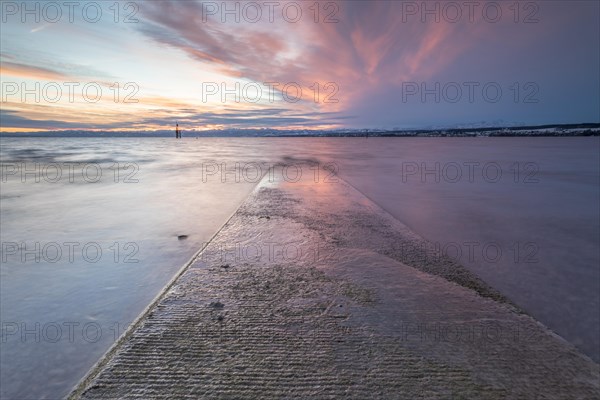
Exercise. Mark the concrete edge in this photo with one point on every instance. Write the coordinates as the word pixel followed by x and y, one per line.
pixel 93 372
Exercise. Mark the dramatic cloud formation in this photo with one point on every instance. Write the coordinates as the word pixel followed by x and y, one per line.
pixel 305 64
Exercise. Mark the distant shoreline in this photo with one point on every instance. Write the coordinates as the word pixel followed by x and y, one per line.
pixel 565 130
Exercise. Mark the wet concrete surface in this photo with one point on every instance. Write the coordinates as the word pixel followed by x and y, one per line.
pixel 311 290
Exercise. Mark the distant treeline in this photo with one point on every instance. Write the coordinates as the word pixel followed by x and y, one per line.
pixel 587 129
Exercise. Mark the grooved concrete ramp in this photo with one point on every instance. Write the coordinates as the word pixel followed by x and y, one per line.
pixel 312 291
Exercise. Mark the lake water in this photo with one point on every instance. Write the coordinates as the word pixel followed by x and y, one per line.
pixel 92 228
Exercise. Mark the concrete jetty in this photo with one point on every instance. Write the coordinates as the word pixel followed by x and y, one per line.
pixel 311 290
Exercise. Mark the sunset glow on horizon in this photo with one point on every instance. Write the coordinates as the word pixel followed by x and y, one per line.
pixel 305 199
pixel 296 65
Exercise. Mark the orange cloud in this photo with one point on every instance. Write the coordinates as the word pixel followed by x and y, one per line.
pixel 30 72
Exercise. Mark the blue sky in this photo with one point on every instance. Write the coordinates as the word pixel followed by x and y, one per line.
pixel 240 64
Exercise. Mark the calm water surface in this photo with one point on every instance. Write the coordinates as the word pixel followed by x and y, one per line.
pixel 522 213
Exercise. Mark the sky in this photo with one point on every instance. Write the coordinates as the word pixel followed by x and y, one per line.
pixel 146 65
